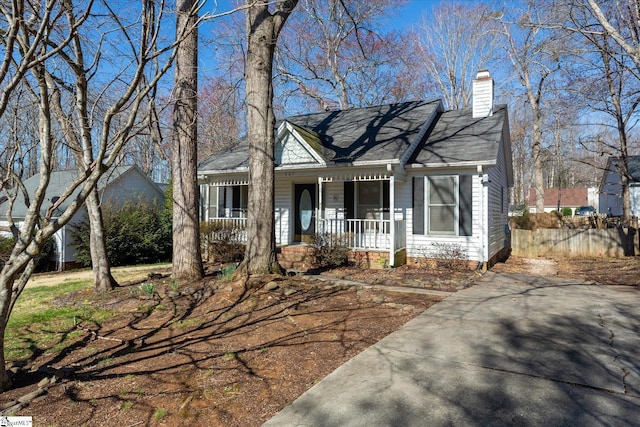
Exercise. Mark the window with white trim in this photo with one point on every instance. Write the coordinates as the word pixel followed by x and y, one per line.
pixel 442 199
pixel 442 205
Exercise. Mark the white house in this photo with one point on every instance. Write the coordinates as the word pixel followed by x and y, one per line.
pixel 402 180
pixel 117 185
pixel 611 187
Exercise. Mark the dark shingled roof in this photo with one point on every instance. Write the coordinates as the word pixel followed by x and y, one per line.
pixel 359 134
pixel 458 137
pixel 385 133
pixel 373 133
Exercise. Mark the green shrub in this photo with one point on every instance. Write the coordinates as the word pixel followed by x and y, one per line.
pixel 567 212
pixel 42 262
pixel 134 234
pixel 6 245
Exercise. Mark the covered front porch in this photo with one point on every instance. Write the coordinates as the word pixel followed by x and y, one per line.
pixel 352 209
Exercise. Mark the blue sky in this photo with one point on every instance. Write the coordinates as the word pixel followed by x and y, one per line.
pixel 409 15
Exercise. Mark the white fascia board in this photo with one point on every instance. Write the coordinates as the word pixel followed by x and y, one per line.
pixel 451 165
pixel 375 162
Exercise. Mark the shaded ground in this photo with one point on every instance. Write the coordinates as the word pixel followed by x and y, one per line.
pixel 603 271
pixel 211 354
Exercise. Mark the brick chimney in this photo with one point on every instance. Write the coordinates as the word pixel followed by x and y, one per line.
pixel 482 95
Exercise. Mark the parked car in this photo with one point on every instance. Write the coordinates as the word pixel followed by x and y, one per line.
pixel 585 211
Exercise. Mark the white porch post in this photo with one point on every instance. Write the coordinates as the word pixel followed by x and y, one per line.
pixel 392 222
pixel 320 206
pixel 206 201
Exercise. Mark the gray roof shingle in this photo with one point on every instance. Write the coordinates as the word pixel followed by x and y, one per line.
pixel 458 137
pixel 384 133
pixel 358 134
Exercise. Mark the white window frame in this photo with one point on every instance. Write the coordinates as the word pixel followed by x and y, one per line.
pixel 456 205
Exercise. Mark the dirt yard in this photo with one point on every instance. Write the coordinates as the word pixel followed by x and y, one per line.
pixel 212 354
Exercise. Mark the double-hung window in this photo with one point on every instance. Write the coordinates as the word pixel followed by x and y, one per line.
pixel 442 205
pixel 367 199
pixel 442 199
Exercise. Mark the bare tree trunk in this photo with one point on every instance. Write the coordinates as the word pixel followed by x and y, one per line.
pixel 103 281
pixel 262 32
pixel 187 258
pixel 536 154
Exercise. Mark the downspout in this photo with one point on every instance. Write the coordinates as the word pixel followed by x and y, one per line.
pixel 482 264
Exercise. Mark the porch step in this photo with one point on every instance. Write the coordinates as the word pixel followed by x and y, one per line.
pixel 296 257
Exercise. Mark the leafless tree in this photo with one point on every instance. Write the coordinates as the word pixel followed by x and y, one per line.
pixel 452 46
pixel 533 50
pixel 264 21
pixel 620 20
pixel 331 54
pixel 54 45
pixel 187 259
pixel 219 115
pixel 611 73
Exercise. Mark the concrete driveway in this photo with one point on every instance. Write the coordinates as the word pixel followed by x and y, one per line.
pixel 512 350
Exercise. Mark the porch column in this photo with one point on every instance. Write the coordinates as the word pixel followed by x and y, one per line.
pixel 207 201
pixel 320 206
pixel 392 218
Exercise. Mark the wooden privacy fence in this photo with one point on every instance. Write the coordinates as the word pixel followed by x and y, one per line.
pixel 611 242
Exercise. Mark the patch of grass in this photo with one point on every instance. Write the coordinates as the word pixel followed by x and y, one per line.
pixel 230 356
pixel 174 285
pixel 250 303
pixel 126 405
pixel 226 274
pixel 106 361
pixel 186 324
pixel 36 325
pixel 147 288
pixel 148 309
pixel 231 389
pixel 160 414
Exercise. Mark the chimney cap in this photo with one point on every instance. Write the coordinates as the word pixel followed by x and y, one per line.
pixel 483 74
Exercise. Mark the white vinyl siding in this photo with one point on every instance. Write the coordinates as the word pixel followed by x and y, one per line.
pixel 419 242
pixel 289 151
pixel 497 215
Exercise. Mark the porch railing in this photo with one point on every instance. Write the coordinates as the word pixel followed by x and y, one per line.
pixel 236 228
pixel 366 234
pixel 358 234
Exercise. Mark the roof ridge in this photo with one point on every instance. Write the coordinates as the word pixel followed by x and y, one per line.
pixel 390 104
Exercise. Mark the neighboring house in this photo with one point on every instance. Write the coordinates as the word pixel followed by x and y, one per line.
pixel 565 198
pixel 400 181
pixel 611 188
pixel 117 185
